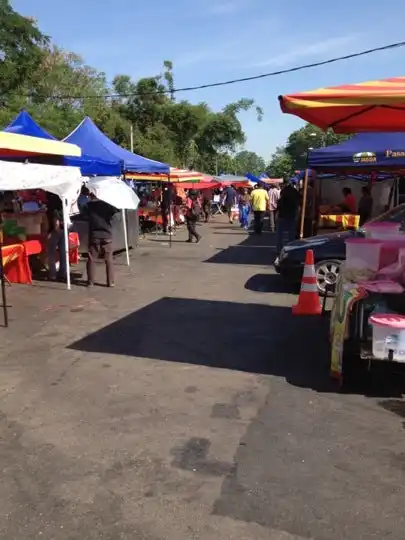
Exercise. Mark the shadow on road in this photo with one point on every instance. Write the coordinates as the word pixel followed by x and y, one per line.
pixel 245 337
pixel 253 338
pixel 270 283
pixel 252 250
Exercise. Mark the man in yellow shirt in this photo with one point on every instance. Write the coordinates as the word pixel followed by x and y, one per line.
pixel 259 200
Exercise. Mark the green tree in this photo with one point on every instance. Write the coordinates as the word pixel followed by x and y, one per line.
pixel 21 45
pixel 59 89
pixel 248 162
pixel 281 165
pixel 301 141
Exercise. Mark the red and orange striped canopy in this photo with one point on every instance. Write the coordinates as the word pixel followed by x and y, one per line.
pixel 176 175
pixel 353 108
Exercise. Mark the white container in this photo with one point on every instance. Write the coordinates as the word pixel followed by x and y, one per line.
pixel 363 254
pixel 388 334
pixel 384 230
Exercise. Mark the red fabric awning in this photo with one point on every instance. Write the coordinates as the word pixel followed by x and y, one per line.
pixel 199 185
pixel 353 108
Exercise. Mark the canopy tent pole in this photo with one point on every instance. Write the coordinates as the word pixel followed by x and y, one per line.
pixel 66 237
pixel 314 213
pixel 2 278
pixel 171 228
pixel 391 195
pixel 124 223
pixel 304 203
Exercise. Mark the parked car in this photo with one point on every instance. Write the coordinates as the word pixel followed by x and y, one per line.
pixel 329 252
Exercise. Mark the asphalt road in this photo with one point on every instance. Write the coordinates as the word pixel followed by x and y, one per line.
pixel 189 403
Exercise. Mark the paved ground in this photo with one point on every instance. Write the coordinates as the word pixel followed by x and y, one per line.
pixel 189 403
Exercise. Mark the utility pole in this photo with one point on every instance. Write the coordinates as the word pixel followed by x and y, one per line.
pixel 132 138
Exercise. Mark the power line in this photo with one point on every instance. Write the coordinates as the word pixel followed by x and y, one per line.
pixel 302 67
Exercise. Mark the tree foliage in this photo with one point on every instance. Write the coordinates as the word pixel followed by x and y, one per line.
pixel 21 45
pixel 293 156
pixel 51 83
pixel 249 162
pixel 59 89
pixel 281 164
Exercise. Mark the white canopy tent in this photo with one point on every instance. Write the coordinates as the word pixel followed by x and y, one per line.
pixel 115 192
pixel 63 181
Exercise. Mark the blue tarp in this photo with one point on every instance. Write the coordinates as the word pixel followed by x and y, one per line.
pixel 370 151
pixel 24 124
pixel 93 142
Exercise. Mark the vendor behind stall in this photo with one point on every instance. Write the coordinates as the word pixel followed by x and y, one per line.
pixel 365 205
pixel 348 205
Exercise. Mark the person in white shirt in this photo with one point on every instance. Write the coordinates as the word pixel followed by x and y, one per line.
pixel 274 196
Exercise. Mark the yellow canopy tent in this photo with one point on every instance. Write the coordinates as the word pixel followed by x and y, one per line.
pixel 14 144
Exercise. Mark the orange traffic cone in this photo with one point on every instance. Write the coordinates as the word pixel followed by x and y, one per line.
pixel 308 300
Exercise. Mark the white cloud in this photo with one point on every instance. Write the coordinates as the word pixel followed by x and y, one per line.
pixel 331 46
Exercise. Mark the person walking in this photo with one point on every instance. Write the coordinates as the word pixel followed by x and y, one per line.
pixel 274 196
pixel 193 212
pixel 244 206
pixel 229 201
pixel 56 238
pixel 259 200
pixel 100 215
pixel 287 212
pixel 207 204
pixel 167 208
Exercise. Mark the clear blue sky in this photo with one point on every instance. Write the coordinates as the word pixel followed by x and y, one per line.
pixel 214 40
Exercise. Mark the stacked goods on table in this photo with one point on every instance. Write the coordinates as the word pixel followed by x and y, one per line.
pixel 388 335
pixel 12 229
pixel 377 261
pixel 377 264
pixel 22 225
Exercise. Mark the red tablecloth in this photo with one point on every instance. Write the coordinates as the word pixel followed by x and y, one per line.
pixel 74 244
pixel 151 214
pixel 16 265
pixel 16 262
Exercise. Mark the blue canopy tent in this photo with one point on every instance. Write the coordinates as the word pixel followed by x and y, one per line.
pixel 365 152
pixel 24 124
pixel 95 143
pixel 364 158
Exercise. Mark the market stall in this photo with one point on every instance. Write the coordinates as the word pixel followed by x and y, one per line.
pixel 95 143
pixel 34 224
pixel 368 318
pixel 116 193
pixel 62 181
pixel 27 230
pixel 367 159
